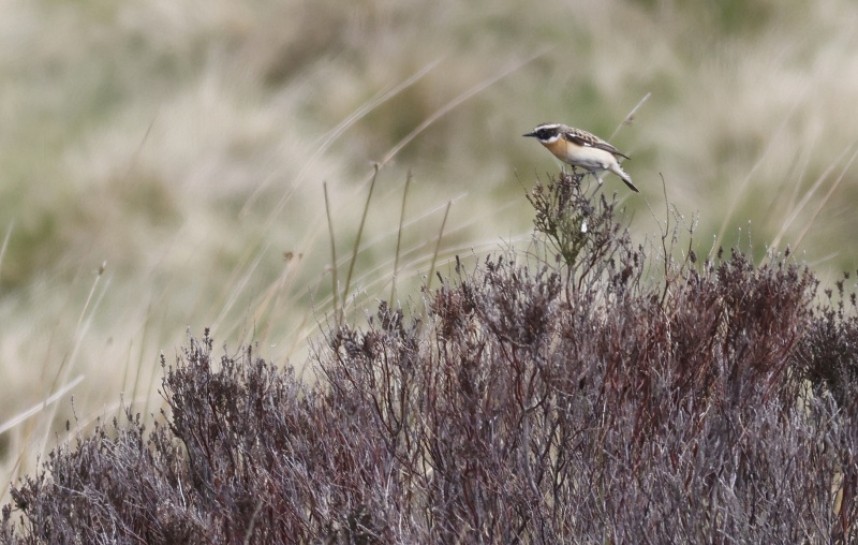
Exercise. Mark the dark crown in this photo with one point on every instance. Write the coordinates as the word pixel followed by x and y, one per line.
pixel 545 131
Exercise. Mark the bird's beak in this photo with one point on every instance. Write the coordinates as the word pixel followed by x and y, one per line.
pixel 530 134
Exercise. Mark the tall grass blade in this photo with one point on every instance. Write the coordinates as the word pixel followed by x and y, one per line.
pixel 396 253
pixel 337 314
pixel 356 245
pixel 438 245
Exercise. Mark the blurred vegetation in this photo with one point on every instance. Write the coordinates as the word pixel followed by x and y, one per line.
pixel 184 144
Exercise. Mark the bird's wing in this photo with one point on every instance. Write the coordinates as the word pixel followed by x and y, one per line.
pixel 584 138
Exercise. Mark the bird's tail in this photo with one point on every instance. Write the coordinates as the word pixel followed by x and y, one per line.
pixel 618 170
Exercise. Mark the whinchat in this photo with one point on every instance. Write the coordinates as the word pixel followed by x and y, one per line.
pixel 582 149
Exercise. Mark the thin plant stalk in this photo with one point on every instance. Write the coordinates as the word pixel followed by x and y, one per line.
pixel 337 313
pixel 631 115
pixel 399 238
pixel 825 199
pixel 356 245
pixel 438 246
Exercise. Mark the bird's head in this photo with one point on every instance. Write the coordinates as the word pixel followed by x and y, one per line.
pixel 546 133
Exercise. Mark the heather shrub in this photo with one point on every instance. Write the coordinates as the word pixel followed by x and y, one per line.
pixel 560 397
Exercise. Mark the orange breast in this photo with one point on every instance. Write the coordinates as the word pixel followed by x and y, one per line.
pixel 558 148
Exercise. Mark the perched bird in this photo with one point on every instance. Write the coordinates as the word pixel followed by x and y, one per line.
pixel 581 149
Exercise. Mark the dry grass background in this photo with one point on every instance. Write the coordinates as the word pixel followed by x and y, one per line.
pixel 182 147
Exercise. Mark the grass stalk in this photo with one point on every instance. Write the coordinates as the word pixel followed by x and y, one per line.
pixel 630 117
pixel 26 414
pixel 5 244
pixel 453 104
pixel 356 245
pixel 396 253
pixel 334 135
pixel 825 199
pixel 809 195
pixel 337 314
pixel 438 245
